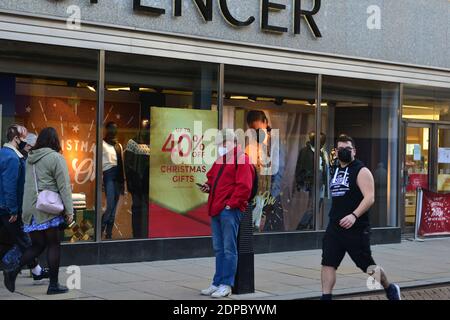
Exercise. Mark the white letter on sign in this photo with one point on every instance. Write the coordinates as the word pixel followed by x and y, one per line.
pixel 374 20
pixel 74 19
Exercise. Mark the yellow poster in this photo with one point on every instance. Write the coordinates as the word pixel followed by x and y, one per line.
pixel 177 157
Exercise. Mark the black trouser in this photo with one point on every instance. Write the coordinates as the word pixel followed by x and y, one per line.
pixel 18 236
pixel 139 217
pixel 50 239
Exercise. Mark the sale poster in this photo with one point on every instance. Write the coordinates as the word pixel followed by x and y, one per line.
pixel 416 180
pixel 177 206
pixel 435 215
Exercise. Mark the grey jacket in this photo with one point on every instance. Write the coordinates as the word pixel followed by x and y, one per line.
pixel 52 174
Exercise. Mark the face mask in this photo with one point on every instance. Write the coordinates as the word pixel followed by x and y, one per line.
pixel 222 151
pixel 261 135
pixel 22 145
pixel 345 155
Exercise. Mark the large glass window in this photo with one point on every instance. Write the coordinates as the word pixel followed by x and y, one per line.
pixel 155 108
pixel 45 86
pixel 282 105
pixel 368 112
pixel 426 103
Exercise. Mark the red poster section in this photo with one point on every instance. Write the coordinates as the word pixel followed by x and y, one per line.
pixel 164 223
pixel 435 215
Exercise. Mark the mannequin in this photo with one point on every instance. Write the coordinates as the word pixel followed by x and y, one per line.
pixel 137 161
pixel 113 177
pixel 304 175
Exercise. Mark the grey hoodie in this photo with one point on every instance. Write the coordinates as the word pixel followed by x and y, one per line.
pixel 52 174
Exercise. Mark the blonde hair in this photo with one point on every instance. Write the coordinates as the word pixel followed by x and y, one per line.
pixel 16 130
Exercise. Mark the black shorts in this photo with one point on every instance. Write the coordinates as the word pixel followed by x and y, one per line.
pixel 337 241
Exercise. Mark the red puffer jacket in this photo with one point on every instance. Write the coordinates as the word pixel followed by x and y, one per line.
pixel 234 186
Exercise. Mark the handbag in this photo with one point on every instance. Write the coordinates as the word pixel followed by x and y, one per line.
pixel 48 201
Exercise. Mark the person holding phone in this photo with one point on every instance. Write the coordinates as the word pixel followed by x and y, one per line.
pixel 229 185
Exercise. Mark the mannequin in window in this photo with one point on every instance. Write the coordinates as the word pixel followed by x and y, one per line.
pixel 304 175
pixel 113 177
pixel 137 161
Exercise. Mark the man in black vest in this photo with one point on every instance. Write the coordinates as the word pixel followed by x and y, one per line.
pixel 353 193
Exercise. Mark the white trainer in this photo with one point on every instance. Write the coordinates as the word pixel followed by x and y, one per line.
pixel 222 292
pixel 209 291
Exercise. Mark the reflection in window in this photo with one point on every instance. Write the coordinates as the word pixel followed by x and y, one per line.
pixel 281 105
pixel 366 111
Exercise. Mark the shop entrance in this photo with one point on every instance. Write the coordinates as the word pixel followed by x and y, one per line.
pixel 425 164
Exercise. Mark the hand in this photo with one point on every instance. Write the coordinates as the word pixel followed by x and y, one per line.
pixel 348 221
pixel 227 207
pixel 204 188
pixel 13 218
pixel 69 218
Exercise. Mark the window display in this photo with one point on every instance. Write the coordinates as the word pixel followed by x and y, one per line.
pixel 173 104
pixel 281 108
pixel 38 93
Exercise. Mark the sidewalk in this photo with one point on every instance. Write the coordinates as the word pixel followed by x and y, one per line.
pixel 289 275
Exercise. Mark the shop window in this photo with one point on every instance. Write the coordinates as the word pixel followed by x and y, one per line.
pixel 426 103
pixel 368 112
pixel 282 104
pixel 151 108
pixel 49 86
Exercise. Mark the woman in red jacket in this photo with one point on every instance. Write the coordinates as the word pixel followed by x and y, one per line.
pixel 229 186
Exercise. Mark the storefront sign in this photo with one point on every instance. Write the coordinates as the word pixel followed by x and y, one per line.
pixel 435 214
pixel 268 8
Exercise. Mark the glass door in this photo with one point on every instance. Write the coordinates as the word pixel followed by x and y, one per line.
pixel 416 168
pixel 443 159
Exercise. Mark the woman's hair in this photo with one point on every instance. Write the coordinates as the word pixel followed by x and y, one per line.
pixel 48 138
pixel 256 115
pixel 16 130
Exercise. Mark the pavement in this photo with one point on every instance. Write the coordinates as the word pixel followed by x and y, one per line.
pixel 278 276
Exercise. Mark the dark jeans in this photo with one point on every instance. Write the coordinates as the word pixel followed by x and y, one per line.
pixel 139 217
pixel 225 230
pixel 16 235
pixel 112 191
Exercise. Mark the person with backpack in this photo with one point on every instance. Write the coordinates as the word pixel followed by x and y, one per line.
pixel 46 174
pixel 230 186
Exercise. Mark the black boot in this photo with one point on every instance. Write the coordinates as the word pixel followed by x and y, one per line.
pixel 9 279
pixel 56 289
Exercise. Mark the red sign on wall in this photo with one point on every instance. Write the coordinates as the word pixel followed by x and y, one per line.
pixel 417 180
pixel 435 214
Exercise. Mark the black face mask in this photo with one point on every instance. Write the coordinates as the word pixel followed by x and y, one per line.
pixel 345 155
pixel 22 145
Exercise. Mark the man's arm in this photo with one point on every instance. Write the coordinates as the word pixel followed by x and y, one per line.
pixel 366 184
pixel 10 179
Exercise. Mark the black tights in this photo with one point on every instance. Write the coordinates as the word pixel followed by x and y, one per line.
pixel 51 240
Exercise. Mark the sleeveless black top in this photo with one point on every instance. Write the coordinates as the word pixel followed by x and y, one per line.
pixel 346 195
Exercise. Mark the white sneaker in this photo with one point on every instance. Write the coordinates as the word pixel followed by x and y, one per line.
pixel 222 292
pixel 209 291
